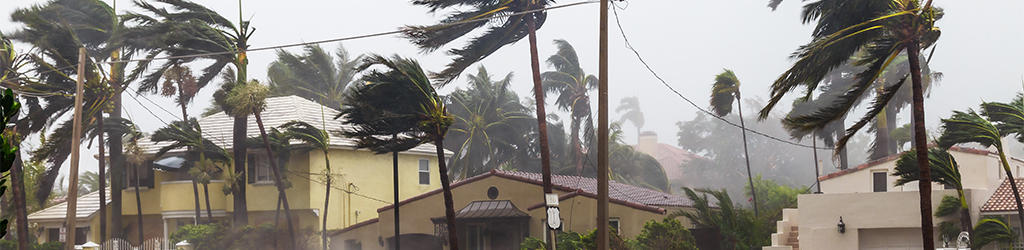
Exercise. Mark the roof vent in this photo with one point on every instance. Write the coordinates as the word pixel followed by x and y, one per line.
pixel 492 193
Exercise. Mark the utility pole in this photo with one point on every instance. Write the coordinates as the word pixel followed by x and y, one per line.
pixel 814 144
pixel 602 132
pixel 76 141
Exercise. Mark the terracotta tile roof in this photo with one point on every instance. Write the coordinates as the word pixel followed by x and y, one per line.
pixel 88 206
pixel 671 158
pixel 1002 199
pixel 488 210
pixel 619 193
pixel 353 227
pixel 893 158
pixel 280 110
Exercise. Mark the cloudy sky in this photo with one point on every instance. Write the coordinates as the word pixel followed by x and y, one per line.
pixel 686 42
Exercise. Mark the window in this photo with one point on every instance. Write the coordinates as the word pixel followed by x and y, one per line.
pixel 424 172
pixel 614 224
pixel 476 237
pixel 258 167
pixel 879 181
pixel 143 175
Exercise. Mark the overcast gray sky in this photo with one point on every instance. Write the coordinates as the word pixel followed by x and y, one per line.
pixel 687 42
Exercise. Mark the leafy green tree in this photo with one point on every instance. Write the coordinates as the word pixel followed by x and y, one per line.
pixel 626 164
pixel 188 29
pixel 724 91
pixel 882 29
pixel 315 139
pixel 631 104
pixel 945 171
pixel 490 126
pixel 970 127
pixel 667 234
pixel 572 85
pixel 740 229
pixel 315 75
pixel 993 229
pixel 11 76
pixel 775 197
pixel 401 104
pixel 251 98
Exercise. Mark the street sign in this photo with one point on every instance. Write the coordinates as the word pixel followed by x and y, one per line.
pixel 63 234
pixel 554 220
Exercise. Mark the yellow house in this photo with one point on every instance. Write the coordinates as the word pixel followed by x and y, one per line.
pixel 498 209
pixel 363 180
pixel 51 219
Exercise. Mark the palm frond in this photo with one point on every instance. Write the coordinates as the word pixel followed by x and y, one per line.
pixel 964 127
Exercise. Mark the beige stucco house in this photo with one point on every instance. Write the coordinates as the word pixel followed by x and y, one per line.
pixel 879 215
pixel 498 209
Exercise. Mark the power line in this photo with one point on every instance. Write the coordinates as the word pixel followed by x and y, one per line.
pixel 337 188
pixel 630 47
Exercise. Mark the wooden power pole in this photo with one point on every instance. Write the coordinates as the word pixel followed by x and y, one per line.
pixel 602 132
pixel 76 141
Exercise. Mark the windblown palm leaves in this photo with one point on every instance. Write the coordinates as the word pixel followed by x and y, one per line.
pixel 968 127
pixel 396 110
pixel 500 32
pixel 1009 117
pixel 993 229
pixel 315 75
pixel 631 104
pixel 572 86
pixel 489 126
pixel 315 139
pixel 199 157
pixel 944 170
pixel 724 91
pixel 738 227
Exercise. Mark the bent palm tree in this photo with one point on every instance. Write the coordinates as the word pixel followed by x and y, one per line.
pixel 571 84
pixel 400 101
pixel 315 139
pixel 945 171
pixel 993 229
pixel 967 127
pixel 200 153
pixel 631 104
pixel 314 75
pixel 883 30
pixel 726 90
pixel 250 98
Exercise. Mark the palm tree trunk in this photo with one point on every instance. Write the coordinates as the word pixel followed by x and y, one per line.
pixel 20 209
pixel 746 154
pixel 924 184
pixel 576 147
pixel 449 205
pixel 241 214
pixel 1013 185
pixel 138 203
pixel 102 175
pixel 206 192
pixel 398 231
pixel 277 211
pixel 277 179
pixel 327 200
pixel 965 214
pixel 882 141
pixel 542 124
pixel 195 196
pixel 116 166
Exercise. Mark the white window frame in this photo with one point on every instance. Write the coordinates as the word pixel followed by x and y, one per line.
pixel 262 168
pixel 618 224
pixel 421 171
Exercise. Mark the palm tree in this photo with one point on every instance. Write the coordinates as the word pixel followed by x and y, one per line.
pixel 489 125
pixel 10 77
pixel 188 135
pixel 993 229
pixel 969 127
pixel 882 30
pixel 726 90
pixel 627 164
pixel 468 17
pixel 571 84
pixel 945 171
pixel 401 101
pixel 631 104
pixel 249 99
pixel 315 139
pixel 191 29
pixel 314 75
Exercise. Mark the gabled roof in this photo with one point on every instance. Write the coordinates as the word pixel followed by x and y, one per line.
pixel 637 197
pixel 1002 199
pixel 893 158
pixel 87 206
pixel 280 110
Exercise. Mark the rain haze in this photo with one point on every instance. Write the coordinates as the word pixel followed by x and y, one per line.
pixel 687 43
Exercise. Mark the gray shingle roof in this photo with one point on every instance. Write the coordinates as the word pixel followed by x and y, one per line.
pixel 280 110
pixel 88 206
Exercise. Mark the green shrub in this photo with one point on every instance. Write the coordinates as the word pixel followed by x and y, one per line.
pixel 222 236
pixel 668 234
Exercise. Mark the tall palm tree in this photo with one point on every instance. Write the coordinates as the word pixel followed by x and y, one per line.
pixel 512 28
pixel 725 90
pixel 11 76
pixel 572 85
pixel 315 75
pixel 189 29
pixel 401 101
pixel 631 104
pixel 970 127
pixel 315 139
pixel 250 98
pixel 490 124
pixel 200 154
pixel 883 29
pixel 945 171
pixel 993 229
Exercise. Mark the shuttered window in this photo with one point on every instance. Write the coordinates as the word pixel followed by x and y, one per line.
pixel 424 172
pixel 879 181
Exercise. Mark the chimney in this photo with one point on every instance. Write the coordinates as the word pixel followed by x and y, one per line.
pixel 648 143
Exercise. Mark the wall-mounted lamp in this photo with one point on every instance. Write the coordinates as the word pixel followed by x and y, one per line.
pixel 842 226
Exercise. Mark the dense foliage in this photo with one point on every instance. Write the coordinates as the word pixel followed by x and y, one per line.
pixel 222 236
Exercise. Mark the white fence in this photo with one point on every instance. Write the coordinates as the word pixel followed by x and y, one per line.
pixel 150 244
